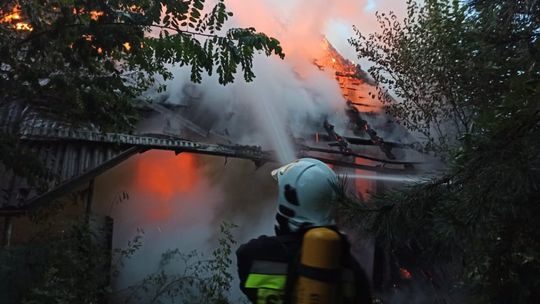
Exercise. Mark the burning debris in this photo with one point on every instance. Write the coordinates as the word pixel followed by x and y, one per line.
pixel 355 84
pixel 361 126
pixel 343 144
pixel 337 140
pixel 15 20
pixel 357 73
pixel 200 118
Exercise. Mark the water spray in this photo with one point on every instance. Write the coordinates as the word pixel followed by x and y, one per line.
pixel 388 178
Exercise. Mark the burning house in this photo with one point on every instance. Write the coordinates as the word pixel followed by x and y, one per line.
pixel 326 110
pixel 353 135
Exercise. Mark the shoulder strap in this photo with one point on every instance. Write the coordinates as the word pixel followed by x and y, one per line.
pixel 292 277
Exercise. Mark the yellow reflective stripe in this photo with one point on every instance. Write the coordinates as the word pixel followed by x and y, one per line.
pixel 269 281
pixel 269 296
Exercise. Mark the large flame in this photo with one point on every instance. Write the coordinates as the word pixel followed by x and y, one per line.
pixel 165 175
pixel 304 44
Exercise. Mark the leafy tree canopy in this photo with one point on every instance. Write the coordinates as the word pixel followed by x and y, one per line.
pixel 85 60
pixel 455 66
pixel 466 75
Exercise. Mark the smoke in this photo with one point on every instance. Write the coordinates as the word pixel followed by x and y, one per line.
pixel 288 97
pixel 299 24
pixel 179 201
pixel 183 207
pixel 279 103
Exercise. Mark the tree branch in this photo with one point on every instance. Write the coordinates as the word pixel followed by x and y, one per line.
pixel 178 31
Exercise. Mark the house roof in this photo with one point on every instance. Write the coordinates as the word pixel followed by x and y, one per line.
pixel 73 156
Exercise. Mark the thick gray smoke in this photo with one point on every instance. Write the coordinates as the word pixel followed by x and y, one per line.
pixel 277 104
pixel 287 98
pixel 189 220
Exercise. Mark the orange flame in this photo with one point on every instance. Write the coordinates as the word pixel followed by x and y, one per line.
pixel 94 15
pixel 126 46
pixel 23 26
pixel 14 17
pixel 353 89
pixel 134 8
pixel 164 175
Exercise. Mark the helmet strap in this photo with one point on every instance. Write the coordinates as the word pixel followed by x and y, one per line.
pixel 281 226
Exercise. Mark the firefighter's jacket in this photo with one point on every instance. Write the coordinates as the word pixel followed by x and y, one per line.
pixel 268 270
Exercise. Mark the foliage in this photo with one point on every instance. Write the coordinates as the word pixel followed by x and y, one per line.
pixel 82 62
pixel 200 281
pixel 72 269
pixel 22 162
pixel 408 57
pixel 481 219
pixel 75 269
pixel 85 60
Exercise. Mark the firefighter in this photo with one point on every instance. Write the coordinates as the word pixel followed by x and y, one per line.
pixel 269 267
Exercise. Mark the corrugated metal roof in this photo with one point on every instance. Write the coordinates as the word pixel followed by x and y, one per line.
pixel 63 160
pixel 73 156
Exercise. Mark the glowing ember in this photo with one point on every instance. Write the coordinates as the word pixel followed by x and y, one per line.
pixel 22 26
pixel 405 274
pixel 78 11
pixel 14 17
pixel 94 15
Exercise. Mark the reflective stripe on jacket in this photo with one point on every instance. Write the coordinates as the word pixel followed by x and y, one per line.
pixel 270 279
pixel 263 268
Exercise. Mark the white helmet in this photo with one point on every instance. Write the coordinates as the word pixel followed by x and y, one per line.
pixel 306 195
